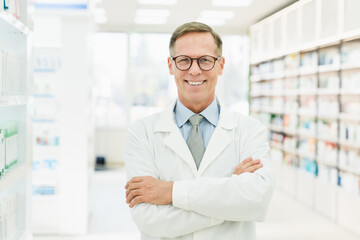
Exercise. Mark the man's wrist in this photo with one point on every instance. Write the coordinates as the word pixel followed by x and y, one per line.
pixel 170 191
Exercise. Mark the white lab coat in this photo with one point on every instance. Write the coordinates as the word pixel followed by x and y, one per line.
pixel 210 203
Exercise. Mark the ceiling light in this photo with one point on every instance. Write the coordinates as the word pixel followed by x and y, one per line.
pixel 157 2
pixel 156 13
pixel 217 14
pixel 150 20
pixel 100 19
pixel 231 3
pixel 99 11
pixel 211 21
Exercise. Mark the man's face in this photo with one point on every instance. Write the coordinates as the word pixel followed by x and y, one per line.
pixel 194 45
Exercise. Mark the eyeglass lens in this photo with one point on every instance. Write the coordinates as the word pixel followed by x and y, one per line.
pixel 205 62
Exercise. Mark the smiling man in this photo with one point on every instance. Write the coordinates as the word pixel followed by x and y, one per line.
pixel 195 170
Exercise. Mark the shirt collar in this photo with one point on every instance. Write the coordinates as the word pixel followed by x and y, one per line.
pixel 182 113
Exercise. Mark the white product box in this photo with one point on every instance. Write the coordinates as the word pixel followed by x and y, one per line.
pixel 2 62
pixel 2 151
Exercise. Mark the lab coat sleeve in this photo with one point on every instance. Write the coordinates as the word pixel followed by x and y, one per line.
pixel 157 220
pixel 243 197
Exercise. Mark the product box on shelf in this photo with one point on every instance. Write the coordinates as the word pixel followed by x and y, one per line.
pixel 5 4
pixel 12 7
pixel 2 152
pixel 8 219
pixel 2 77
pixel 10 131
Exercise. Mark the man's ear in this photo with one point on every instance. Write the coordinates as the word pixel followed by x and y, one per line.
pixel 222 63
pixel 170 65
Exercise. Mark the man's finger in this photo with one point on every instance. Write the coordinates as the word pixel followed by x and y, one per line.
pixel 131 187
pixel 132 194
pixel 255 167
pixel 136 200
pixel 134 180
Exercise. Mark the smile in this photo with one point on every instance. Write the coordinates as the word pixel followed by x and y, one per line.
pixel 195 83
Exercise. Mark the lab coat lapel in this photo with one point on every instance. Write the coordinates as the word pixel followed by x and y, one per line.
pixel 220 139
pixel 174 140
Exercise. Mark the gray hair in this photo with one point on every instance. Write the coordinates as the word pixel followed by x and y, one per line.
pixel 194 27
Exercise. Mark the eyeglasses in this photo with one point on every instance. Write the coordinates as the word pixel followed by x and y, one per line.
pixel 205 63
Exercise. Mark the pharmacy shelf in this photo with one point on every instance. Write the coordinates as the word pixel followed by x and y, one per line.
pixel 15 107
pixel 349 117
pixel 13 100
pixel 324 91
pixel 9 24
pixel 350 66
pixel 308 71
pixel 349 145
pixel 325 162
pixel 354 91
pixel 12 176
pixel 320 80
pixel 329 68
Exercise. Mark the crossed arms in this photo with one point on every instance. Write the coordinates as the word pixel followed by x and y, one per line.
pixel 147 189
pixel 158 206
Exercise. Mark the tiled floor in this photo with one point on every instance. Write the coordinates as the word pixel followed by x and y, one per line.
pixel 287 219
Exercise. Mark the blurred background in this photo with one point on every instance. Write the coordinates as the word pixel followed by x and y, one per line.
pixel 74 74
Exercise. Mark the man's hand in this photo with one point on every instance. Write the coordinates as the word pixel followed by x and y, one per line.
pixel 248 165
pixel 148 190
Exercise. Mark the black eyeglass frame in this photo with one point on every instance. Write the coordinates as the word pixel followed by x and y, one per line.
pixel 197 60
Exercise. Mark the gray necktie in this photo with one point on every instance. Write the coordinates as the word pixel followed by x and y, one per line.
pixel 195 141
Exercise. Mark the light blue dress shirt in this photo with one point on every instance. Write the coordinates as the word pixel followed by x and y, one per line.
pixel 207 125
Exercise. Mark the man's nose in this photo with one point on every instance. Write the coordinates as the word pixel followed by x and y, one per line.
pixel 195 68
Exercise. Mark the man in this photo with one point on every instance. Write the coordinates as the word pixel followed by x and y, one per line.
pixel 205 179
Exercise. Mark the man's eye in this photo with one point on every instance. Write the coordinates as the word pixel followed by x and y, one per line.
pixel 184 60
pixel 206 60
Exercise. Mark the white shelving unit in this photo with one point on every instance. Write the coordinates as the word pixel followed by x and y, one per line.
pixel 305 87
pixel 15 124
pixel 63 128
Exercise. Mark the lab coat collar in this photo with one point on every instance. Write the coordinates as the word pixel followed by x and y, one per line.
pixel 220 139
pixel 167 122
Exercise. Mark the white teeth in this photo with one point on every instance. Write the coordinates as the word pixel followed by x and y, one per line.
pixel 195 83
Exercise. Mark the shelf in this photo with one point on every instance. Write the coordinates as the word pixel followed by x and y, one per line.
pixel 349 145
pixel 324 162
pixel 43 120
pixel 329 68
pixel 324 91
pixel 349 170
pixel 307 92
pixel 328 116
pixel 291 92
pixel 327 139
pixel 307 113
pixel 350 91
pixel 44 96
pixel 276 145
pixel 350 66
pixel 291 151
pixel 276 93
pixel 306 134
pixel 13 100
pixel 290 112
pixel 306 155
pixel 288 131
pixel 272 110
pixel 349 117
pixel 9 24
pixel 307 71
pixel 275 128
pixel 255 78
pixel 293 73
pixel 12 176
pixel 273 76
